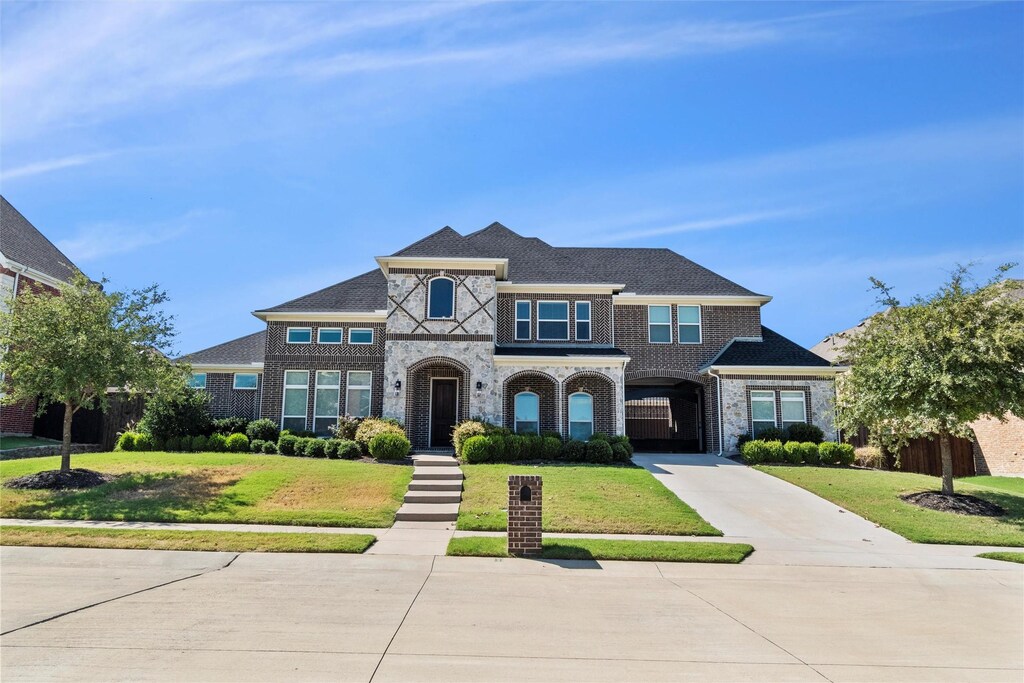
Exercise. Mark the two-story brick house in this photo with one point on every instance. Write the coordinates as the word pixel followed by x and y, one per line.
pixel 538 338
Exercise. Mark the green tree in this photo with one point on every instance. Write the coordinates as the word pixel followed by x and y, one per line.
pixel 71 348
pixel 936 365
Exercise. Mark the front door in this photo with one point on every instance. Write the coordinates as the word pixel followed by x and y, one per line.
pixel 443 411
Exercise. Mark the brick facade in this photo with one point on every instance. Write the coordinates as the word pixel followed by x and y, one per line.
pixel 226 401
pixel 719 326
pixel 999 446
pixel 600 318
pixel 418 395
pixel 603 391
pixel 525 513
pixel 18 419
pixel 546 388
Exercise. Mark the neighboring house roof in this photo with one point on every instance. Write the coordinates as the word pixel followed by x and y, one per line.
pixel 242 351
pixel 21 242
pixel 367 292
pixel 558 351
pixel 773 350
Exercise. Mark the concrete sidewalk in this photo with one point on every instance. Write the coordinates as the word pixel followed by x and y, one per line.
pixel 80 614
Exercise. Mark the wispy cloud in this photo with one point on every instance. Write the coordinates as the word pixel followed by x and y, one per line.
pixel 716 223
pixel 97 241
pixel 51 165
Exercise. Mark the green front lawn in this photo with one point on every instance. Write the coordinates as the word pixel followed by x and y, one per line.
pixel 216 487
pixel 581 499
pixel 603 549
pixel 1011 484
pixel 874 495
pixel 9 443
pixel 223 541
pixel 1005 557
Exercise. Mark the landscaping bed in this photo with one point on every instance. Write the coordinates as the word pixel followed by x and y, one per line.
pixel 1004 557
pixel 603 549
pixel 581 499
pixel 215 487
pixel 878 496
pixel 151 539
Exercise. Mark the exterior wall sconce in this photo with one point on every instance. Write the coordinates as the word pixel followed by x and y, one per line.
pixel 479 387
pixel 398 386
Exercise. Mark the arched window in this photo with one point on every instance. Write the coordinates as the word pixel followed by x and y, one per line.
pixel 527 410
pixel 581 416
pixel 441 298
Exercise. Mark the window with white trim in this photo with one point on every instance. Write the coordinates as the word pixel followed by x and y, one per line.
pixel 527 413
pixel 689 324
pixel 441 298
pixel 296 395
pixel 659 324
pixel 326 401
pixel 245 380
pixel 300 335
pixel 360 335
pixel 582 321
pixel 357 394
pixel 794 408
pixel 197 380
pixel 762 411
pixel 522 320
pixel 330 335
pixel 581 416
pixel 553 320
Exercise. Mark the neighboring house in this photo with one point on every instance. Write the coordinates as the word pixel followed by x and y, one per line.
pixel 998 446
pixel 27 260
pixel 535 337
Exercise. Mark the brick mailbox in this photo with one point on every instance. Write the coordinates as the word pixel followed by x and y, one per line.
pixel 524 512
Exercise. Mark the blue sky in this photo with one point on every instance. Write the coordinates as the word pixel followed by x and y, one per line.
pixel 244 154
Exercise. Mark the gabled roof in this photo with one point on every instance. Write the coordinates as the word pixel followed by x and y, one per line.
pixel 773 350
pixel 364 293
pixel 242 351
pixel 22 243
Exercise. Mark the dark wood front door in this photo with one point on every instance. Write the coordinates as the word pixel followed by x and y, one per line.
pixel 443 411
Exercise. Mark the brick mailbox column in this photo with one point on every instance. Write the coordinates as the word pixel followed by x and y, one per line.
pixel 524 513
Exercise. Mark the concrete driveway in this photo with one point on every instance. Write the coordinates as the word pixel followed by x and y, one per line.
pixel 74 614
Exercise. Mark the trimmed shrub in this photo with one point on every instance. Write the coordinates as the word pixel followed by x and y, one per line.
pixel 620 453
pixel 173 444
pixel 771 434
pixel 349 450
pixel 869 456
pixel 846 454
pixel 793 453
pixel 805 432
pixel 217 442
pixel 144 442
pixel 270 448
pixel 551 447
pixel 314 448
pixel 237 443
pixel 624 441
pixel 262 430
pixel 256 445
pixel 809 452
pixel 599 450
pixel 742 439
pixel 754 452
pixel 574 450
pixel 286 444
pixel 465 430
pixel 389 446
pixel 331 448
pixel 230 425
pixel 598 436
pixel 199 443
pixel 346 427
pixel 828 453
pixel 183 414
pixel 476 449
pixel 126 442
pixel 372 426
pixel 774 452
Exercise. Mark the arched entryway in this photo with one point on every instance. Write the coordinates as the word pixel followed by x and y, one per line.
pixel 543 410
pixel 437 399
pixel 666 413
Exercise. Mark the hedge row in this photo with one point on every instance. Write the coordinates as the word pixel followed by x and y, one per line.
pixel 217 443
pixel 500 447
pixel 795 453
pixel 799 432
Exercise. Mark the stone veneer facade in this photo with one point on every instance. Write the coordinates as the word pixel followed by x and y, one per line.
pixel 736 419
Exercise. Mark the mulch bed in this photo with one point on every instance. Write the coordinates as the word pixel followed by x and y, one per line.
pixel 58 480
pixel 957 502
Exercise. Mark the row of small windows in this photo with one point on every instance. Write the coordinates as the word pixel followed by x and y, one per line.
pixel 552 321
pixel 242 380
pixel 581 414
pixel 330 335
pixel 326 398
pixel 659 324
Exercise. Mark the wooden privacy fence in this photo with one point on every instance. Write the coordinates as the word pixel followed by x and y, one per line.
pixel 923 456
pixel 92 426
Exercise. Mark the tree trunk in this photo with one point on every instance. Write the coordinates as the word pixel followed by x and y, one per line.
pixel 946 449
pixel 65 447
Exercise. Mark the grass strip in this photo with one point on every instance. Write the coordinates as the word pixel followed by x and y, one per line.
pixel 153 539
pixel 1004 556
pixel 604 549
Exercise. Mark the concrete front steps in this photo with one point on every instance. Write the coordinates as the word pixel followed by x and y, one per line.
pixel 435 491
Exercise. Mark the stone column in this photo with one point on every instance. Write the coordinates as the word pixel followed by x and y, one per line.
pixel 524 514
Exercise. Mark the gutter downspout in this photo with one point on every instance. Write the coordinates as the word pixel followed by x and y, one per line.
pixel 721 441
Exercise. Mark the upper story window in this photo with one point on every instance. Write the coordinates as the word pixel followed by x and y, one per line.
pixel 659 324
pixel 581 416
pixel 762 411
pixel 689 324
pixel 794 408
pixel 198 380
pixel 330 335
pixel 553 320
pixel 360 335
pixel 300 335
pixel 245 380
pixel 441 298
pixel 522 320
pixel 582 321
pixel 527 412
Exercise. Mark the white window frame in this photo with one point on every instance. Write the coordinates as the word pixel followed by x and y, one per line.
pixel 553 320
pixel 650 324
pixel 288 335
pixel 576 313
pixel 234 381
pixel 284 399
pixel 782 404
pixel 192 381
pixel 515 414
pixel 349 387
pixel 360 329
pixel 775 422
pixel 699 324
pixel 320 331
pixel 528 320
pixel 317 388
pixel 568 410
pixel 430 289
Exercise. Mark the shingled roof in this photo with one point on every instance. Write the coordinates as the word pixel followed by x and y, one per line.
pixel 20 241
pixel 363 293
pixel 774 350
pixel 242 351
